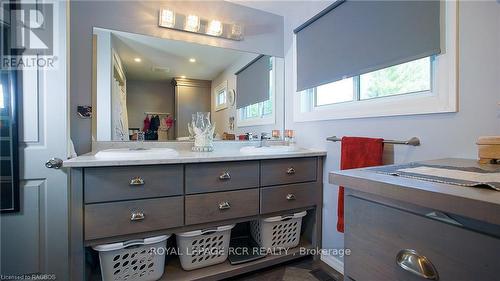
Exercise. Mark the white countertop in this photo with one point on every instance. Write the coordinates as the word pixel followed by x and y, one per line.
pixel 187 156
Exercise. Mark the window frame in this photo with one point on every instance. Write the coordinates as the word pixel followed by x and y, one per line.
pixel 262 119
pixel 442 98
pixel 217 90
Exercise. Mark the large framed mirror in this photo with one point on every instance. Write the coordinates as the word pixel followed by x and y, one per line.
pixel 148 87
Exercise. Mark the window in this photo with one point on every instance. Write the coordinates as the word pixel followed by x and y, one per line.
pixel 220 96
pixel 263 112
pixel 406 78
pixel 423 86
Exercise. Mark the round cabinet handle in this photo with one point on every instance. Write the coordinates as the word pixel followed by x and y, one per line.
pixel 137 216
pixel 224 205
pixel 290 171
pixel 411 261
pixel 225 176
pixel 290 196
pixel 136 181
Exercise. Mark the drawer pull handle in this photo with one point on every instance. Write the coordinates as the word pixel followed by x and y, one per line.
pixel 224 206
pixel 290 171
pixel 411 261
pixel 290 196
pixel 225 176
pixel 137 216
pixel 136 181
pixel 442 217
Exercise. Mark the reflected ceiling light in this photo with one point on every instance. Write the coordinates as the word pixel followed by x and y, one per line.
pixel 192 23
pixel 192 60
pixel 137 59
pixel 167 18
pixel 214 28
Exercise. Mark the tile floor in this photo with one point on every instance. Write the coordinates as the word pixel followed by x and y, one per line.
pixel 300 270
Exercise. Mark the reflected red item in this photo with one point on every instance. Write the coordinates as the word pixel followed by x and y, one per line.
pixel 147 124
pixel 169 121
pixel 357 152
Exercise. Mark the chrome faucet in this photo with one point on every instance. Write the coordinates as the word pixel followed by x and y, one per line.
pixel 264 137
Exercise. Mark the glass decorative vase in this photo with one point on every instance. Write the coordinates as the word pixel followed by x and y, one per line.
pixel 202 131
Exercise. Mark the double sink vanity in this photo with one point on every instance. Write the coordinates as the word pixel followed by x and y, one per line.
pixel 116 199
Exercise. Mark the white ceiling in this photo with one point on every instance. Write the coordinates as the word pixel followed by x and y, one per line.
pixel 172 55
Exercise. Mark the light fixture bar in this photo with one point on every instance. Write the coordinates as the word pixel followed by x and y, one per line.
pixel 194 24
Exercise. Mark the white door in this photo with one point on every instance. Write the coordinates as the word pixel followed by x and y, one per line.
pixel 35 240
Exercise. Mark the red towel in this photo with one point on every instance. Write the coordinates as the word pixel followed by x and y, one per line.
pixel 357 153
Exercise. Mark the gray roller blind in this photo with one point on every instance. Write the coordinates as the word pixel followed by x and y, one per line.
pixel 252 82
pixel 354 37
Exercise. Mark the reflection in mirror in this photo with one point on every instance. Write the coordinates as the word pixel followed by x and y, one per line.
pixel 149 88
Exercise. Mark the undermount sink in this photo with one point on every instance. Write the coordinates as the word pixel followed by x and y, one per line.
pixel 130 153
pixel 267 149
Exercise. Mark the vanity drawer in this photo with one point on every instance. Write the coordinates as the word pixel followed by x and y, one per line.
pixel 280 198
pixel 210 177
pixel 132 182
pixel 375 234
pixel 219 206
pixel 285 171
pixel 117 218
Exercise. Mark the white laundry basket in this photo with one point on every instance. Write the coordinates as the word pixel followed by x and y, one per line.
pixel 278 232
pixel 205 247
pixel 133 260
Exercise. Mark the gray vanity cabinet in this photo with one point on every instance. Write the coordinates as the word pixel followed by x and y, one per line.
pixel 129 202
pixel 378 233
pixel 406 229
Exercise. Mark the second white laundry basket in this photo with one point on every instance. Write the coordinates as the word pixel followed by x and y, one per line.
pixel 204 247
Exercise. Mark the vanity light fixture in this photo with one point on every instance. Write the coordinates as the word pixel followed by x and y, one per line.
pixel 214 28
pixel 192 60
pixel 167 18
pixel 137 59
pixel 192 23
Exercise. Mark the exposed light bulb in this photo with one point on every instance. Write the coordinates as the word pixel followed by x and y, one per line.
pixel 192 23
pixel 192 60
pixel 236 31
pixel 167 18
pixel 137 59
pixel 214 28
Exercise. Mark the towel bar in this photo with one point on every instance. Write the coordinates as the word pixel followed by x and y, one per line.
pixel 414 141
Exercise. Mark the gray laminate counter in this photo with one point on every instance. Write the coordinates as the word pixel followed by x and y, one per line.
pixel 478 203
pixel 187 156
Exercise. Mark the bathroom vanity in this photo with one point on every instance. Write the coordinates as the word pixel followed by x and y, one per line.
pixel 407 229
pixel 118 200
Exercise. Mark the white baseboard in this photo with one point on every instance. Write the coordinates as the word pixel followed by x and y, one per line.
pixel 333 263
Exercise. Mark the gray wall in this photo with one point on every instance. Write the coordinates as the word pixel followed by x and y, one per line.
pixel 442 135
pixel 263 34
pixel 156 96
